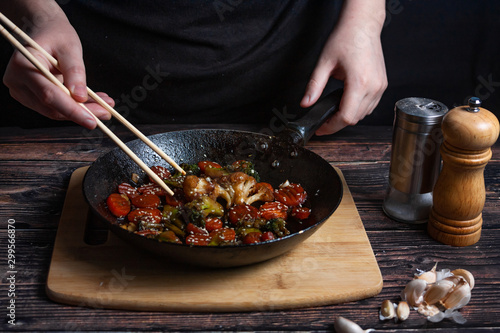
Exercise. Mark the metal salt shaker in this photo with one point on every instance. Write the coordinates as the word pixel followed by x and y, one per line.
pixel 415 159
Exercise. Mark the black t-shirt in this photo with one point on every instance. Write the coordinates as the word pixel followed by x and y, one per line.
pixel 220 61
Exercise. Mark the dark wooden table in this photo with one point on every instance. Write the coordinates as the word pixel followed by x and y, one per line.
pixel 35 167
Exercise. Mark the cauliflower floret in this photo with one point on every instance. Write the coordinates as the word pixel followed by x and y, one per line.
pixel 225 192
pixel 195 187
pixel 242 185
pixel 261 192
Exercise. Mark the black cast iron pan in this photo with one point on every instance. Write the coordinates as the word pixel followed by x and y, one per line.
pixel 277 158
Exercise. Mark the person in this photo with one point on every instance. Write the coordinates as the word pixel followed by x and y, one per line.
pixel 203 62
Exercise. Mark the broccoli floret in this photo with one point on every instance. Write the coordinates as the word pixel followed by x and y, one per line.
pixel 245 167
pixel 277 226
pixel 172 220
pixel 199 209
pixel 191 169
pixel 176 180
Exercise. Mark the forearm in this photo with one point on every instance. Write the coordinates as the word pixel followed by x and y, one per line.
pixel 368 15
pixel 30 14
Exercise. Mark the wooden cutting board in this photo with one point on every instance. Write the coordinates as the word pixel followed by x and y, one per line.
pixel 334 265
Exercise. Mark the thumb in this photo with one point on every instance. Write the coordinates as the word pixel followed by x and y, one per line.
pixel 73 70
pixel 317 83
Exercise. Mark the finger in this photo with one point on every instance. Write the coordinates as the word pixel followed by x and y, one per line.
pixel 317 83
pixel 350 109
pixel 98 109
pixel 49 96
pixel 72 68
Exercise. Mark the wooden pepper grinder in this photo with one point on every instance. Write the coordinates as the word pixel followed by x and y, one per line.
pixel 459 193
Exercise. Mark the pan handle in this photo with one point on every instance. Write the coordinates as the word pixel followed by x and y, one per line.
pixel 303 129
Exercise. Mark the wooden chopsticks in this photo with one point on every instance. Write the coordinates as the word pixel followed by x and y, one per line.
pixel 93 95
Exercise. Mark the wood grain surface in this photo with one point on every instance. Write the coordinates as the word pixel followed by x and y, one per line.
pixel 35 168
pixel 335 265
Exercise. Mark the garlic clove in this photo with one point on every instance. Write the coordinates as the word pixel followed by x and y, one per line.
pixel 403 311
pixel 343 325
pixel 428 310
pixel 429 276
pixel 387 310
pixel 458 297
pixel 466 275
pixel 438 291
pixel 413 292
pixel 442 274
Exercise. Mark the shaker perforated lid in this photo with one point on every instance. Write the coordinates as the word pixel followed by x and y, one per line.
pixel 421 110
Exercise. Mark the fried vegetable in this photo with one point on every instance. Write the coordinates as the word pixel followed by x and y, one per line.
pixel 150 215
pixel 242 185
pixel 118 204
pixel 195 215
pixel 198 239
pixel 196 187
pixel 245 167
pixel 261 192
pixel 213 223
pixel 175 181
pixel 172 220
pixel 300 213
pixel 146 201
pixel 242 213
pixel 278 227
pixel 274 209
pixel 160 171
pixel 128 190
pixel 199 209
pixel 168 237
pixel 191 169
pixel 291 195
pixel 222 236
pixel 252 237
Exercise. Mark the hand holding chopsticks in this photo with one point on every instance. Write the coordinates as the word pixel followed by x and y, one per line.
pixel 99 100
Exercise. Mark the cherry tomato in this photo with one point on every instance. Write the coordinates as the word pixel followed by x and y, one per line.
pixel 204 164
pixel 146 201
pixel 198 239
pixel 266 236
pixel 118 204
pixel 242 213
pixel 160 171
pixel 252 238
pixel 291 195
pixel 213 223
pixel 272 210
pixel 151 215
pixel 128 190
pixel 193 229
pixel 301 213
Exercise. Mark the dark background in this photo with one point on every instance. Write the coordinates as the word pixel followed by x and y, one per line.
pixel 443 50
